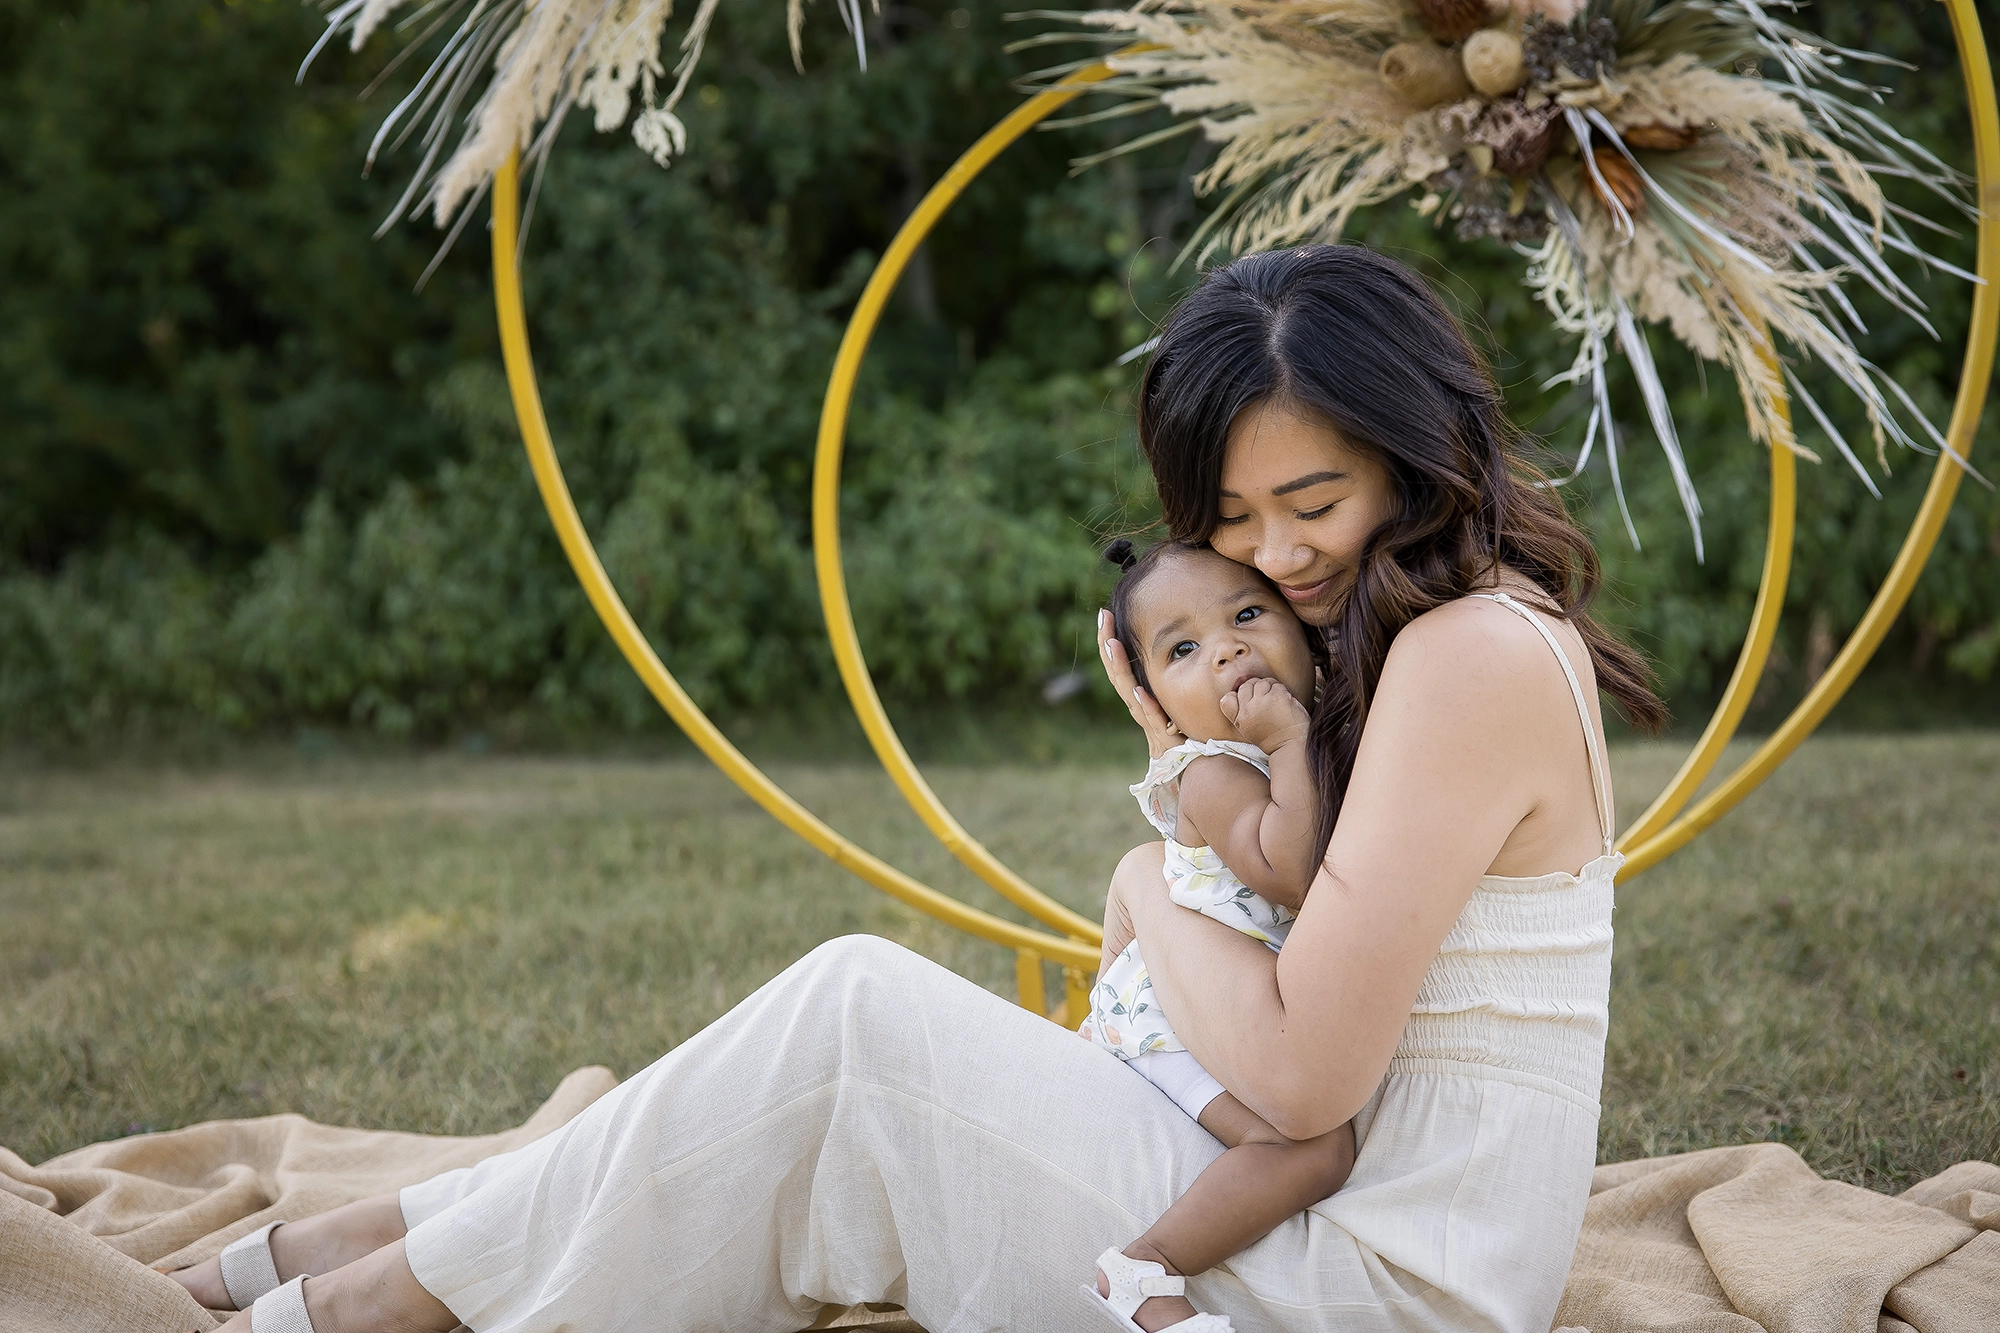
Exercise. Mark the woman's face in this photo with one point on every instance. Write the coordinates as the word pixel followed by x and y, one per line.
pixel 1299 505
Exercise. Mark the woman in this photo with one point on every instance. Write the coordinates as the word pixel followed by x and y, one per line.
pixel 871 1127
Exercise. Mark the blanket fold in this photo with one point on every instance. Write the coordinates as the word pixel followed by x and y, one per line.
pixel 1745 1239
pixel 1736 1240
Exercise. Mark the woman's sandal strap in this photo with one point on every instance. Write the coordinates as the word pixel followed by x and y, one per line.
pixel 282 1310
pixel 248 1270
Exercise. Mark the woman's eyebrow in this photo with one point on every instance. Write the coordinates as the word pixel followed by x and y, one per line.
pixel 1310 479
pixel 1298 484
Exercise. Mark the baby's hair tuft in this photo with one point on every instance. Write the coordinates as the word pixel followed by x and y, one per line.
pixel 1134 565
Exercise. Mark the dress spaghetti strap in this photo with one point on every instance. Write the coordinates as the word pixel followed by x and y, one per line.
pixel 1600 781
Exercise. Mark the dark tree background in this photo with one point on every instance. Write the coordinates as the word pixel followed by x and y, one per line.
pixel 250 478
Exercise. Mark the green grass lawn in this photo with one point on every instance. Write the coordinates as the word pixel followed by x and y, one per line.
pixel 430 943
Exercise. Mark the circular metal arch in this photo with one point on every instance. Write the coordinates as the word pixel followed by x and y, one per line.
pixel 1658 832
pixel 658 680
pixel 1665 827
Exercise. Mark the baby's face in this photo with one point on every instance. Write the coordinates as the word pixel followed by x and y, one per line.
pixel 1205 625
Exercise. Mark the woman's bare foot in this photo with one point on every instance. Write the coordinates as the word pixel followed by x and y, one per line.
pixel 312 1246
pixel 1155 1312
pixel 377 1293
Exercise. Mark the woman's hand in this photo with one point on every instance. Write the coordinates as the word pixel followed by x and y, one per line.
pixel 1161 734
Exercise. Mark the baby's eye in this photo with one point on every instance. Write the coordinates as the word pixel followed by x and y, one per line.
pixel 1181 649
pixel 1248 614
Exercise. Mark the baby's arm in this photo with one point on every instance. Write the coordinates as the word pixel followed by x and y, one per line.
pixel 1262 829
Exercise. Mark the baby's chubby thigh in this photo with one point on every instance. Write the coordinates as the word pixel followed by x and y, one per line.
pixel 1140 871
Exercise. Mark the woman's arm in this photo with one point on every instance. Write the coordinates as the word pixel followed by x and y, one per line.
pixel 1470 720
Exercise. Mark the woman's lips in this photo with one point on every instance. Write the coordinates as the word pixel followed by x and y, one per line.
pixel 1311 592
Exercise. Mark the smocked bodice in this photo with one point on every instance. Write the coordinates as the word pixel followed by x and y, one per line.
pixel 1521 986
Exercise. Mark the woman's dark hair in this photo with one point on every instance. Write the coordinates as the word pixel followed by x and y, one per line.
pixel 1360 341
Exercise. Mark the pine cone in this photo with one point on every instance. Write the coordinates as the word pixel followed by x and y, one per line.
pixel 1621 176
pixel 1551 50
pixel 1453 20
pixel 1663 138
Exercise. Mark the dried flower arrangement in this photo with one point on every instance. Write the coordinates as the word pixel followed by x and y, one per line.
pixel 530 62
pixel 1696 164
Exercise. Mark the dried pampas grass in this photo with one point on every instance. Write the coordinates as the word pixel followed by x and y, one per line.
pixel 513 70
pixel 1647 171
pixel 1692 165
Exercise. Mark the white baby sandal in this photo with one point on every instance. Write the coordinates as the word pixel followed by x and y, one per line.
pixel 1133 1282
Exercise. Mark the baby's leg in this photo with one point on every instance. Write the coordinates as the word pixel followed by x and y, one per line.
pixel 1241 1196
pixel 1117 917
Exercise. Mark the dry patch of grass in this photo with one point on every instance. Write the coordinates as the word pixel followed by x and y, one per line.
pixel 431 943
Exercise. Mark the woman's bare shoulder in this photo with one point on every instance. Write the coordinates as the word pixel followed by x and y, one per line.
pixel 1470 650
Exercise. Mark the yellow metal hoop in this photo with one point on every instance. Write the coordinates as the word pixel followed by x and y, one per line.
pixel 1643 846
pixel 1657 833
pixel 632 643
pixel 826 506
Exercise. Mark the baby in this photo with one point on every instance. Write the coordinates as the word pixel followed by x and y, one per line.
pixel 1228 662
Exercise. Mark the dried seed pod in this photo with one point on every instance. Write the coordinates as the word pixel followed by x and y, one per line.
pixel 1424 73
pixel 1663 138
pixel 1521 138
pixel 1493 64
pixel 1453 20
pixel 1622 178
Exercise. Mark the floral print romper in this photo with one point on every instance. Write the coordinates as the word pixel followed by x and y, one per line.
pixel 1125 1018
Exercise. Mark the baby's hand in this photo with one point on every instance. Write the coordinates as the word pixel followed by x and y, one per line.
pixel 1266 714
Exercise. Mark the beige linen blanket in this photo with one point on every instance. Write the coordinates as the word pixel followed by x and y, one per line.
pixel 1731 1240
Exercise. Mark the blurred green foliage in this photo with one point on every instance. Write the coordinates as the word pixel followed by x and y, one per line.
pixel 252 478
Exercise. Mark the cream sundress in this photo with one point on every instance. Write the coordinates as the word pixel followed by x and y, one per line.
pixel 834 1138
pixel 1125 1018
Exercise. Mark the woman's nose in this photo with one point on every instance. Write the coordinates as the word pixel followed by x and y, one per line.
pixel 1278 560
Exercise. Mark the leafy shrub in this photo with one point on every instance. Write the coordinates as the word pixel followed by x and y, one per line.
pixel 252 479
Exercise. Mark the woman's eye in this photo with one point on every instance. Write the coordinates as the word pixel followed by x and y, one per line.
pixel 1320 512
pixel 1248 614
pixel 1181 649
pixel 1231 520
